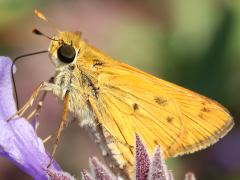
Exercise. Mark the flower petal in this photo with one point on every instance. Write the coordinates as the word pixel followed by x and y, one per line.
pixel 58 175
pixel 100 171
pixel 86 175
pixel 7 103
pixel 158 169
pixel 18 140
pixel 142 160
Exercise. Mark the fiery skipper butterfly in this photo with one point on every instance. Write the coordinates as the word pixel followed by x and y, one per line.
pixel 116 101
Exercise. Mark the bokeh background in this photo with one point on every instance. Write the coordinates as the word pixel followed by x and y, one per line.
pixel 192 43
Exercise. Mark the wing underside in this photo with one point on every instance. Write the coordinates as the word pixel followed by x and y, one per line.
pixel 161 113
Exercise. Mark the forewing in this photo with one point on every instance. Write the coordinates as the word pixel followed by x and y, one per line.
pixel 179 120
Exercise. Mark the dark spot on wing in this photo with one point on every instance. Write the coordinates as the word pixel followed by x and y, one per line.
pixel 135 106
pixel 97 62
pixel 155 142
pixel 169 119
pixel 160 101
pixel 205 109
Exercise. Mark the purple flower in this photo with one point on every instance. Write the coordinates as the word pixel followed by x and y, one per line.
pixel 99 171
pixel 142 160
pixel 155 169
pixel 18 140
pixel 58 175
pixel 145 169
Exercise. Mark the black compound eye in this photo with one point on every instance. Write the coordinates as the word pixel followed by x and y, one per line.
pixel 66 53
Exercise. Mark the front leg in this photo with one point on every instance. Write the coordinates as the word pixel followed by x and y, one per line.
pixel 44 86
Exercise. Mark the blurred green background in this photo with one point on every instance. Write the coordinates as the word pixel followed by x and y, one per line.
pixel 194 44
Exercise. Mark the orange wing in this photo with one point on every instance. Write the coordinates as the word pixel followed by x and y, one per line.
pixel 179 120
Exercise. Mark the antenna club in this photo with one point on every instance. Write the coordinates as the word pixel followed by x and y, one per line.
pixel 37 32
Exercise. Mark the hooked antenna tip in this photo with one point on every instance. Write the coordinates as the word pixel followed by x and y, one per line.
pixel 40 15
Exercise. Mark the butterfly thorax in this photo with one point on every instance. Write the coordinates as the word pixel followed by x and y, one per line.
pixel 69 76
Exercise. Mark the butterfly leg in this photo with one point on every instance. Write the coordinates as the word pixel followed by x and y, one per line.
pixel 54 133
pixel 43 86
pixel 48 138
pixel 28 104
pixel 36 111
pixel 62 125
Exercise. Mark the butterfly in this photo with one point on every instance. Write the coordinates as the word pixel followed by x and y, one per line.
pixel 116 101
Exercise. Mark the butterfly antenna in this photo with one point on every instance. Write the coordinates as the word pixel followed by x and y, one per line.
pixel 37 32
pixel 40 15
pixel 12 71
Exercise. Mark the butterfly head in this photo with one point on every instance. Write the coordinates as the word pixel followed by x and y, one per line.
pixel 65 48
